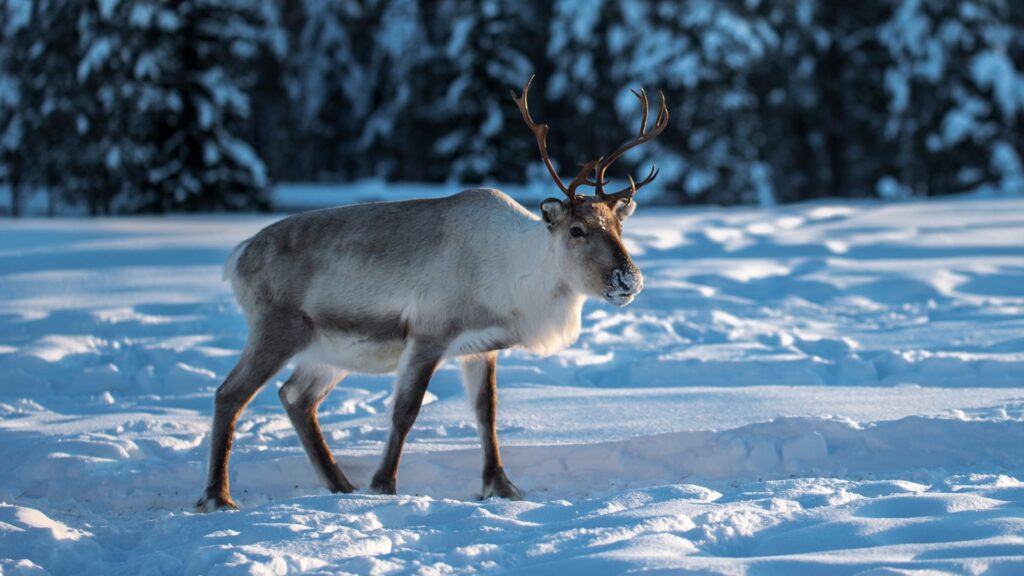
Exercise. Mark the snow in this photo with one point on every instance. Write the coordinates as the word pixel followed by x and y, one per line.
pixel 831 387
pixel 995 70
pixel 95 57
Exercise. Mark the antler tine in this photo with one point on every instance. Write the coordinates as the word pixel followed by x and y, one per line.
pixel 592 183
pixel 626 193
pixel 540 132
pixel 581 178
pixel 662 120
pixel 629 191
pixel 650 176
pixel 660 123
pixel 642 95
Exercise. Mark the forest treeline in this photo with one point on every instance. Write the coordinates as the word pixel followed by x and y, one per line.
pixel 162 105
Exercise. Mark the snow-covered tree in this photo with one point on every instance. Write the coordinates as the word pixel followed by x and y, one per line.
pixel 156 105
pixel 37 105
pixel 956 97
pixel 820 93
pixel 582 90
pixel 351 89
pixel 399 133
pixel 16 112
pixel 328 78
pixel 479 55
pixel 107 166
pixel 132 105
pixel 195 58
pixel 702 54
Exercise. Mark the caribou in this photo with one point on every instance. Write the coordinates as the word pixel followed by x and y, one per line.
pixel 402 286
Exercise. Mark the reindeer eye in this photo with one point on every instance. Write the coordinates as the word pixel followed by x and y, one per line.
pixel 577 232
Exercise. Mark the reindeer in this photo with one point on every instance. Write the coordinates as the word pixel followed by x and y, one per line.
pixel 401 286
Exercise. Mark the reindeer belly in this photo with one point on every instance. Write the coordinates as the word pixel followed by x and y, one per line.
pixel 353 352
pixel 478 341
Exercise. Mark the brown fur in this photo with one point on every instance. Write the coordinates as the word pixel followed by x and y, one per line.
pixel 481 375
pixel 379 329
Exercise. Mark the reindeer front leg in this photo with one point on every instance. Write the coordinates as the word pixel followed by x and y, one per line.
pixel 479 373
pixel 419 360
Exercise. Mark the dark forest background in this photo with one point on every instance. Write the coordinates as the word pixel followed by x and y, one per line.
pixel 164 105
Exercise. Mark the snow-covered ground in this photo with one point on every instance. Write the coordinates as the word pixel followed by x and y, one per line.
pixel 827 388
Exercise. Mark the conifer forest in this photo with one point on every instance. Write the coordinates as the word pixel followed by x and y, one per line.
pixel 132 106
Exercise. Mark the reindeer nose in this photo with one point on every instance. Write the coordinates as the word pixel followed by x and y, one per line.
pixel 628 279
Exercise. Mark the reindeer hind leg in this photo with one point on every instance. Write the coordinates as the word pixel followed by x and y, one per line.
pixel 273 340
pixel 301 396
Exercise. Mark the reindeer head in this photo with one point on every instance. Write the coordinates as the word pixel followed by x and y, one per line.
pixel 588 229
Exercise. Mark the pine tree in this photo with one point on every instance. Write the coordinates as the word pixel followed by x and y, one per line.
pixel 271 128
pixel 583 85
pixel 395 139
pixel 703 55
pixel 327 79
pixel 154 105
pixel 196 60
pixel 790 101
pixel 956 98
pixel 352 89
pixel 16 113
pixel 820 91
pixel 481 53
pixel 104 170
pixel 37 105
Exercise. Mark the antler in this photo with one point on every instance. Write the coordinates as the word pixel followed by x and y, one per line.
pixel 598 166
pixel 540 131
pixel 660 123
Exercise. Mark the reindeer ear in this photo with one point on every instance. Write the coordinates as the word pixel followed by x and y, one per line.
pixel 624 208
pixel 554 211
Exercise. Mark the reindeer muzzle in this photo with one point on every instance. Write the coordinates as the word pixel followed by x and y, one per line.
pixel 623 284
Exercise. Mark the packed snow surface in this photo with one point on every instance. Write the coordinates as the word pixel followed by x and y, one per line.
pixel 825 388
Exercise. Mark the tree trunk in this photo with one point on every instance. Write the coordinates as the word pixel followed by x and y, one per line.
pixel 16 199
pixel 835 120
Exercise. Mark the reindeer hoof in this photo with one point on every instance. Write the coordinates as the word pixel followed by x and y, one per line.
pixel 209 503
pixel 338 484
pixel 383 486
pixel 345 488
pixel 498 485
